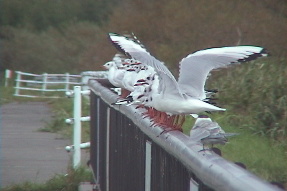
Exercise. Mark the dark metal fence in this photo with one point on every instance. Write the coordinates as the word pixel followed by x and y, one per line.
pixel 129 154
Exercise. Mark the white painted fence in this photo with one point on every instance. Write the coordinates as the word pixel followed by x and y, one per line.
pixel 76 121
pixel 27 83
pixel 44 83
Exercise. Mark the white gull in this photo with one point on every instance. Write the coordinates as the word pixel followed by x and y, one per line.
pixel 185 95
pixel 206 131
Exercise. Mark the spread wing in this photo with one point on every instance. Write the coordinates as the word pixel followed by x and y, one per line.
pixel 137 51
pixel 194 68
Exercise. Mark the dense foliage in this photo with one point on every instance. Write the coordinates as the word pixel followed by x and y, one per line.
pixel 70 35
pixel 39 15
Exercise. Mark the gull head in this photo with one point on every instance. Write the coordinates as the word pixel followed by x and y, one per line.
pixel 109 65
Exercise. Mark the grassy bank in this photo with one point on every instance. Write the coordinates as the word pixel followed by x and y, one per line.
pixel 69 182
pixel 263 156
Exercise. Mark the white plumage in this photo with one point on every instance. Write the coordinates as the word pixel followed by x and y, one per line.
pixel 208 132
pixel 186 95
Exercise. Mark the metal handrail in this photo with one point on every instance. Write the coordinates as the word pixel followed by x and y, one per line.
pixel 213 170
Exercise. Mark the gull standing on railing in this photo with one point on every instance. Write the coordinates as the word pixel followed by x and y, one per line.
pixel 208 132
pixel 187 95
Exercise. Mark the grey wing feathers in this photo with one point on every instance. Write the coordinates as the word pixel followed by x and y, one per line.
pixel 196 134
pixel 195 68
pixel 139 53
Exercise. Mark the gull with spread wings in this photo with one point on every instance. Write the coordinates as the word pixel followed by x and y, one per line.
pixel 185 95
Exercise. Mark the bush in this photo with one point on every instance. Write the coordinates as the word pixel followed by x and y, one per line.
pixel 262 99
pixel 51 51
pixel 40 15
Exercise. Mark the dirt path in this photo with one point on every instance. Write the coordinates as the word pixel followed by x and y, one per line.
pixel 27 154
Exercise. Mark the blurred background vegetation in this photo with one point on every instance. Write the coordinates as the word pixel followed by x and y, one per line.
pixel 71 36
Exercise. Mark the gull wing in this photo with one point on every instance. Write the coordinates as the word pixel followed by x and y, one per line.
pixel 138 52
pixel 168 86
pixel 197 133
pixel 204 128
pixel 194 68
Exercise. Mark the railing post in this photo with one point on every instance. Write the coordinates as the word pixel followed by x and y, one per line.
pixel 67 82
pixel 148 166
pixel 77 126
pixel 8 75
pixel 18 83
pixel 44 85
pixel 108 151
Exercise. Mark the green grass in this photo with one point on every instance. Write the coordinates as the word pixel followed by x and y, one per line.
pixel 263 156
pixel 62 109
pixel 68 182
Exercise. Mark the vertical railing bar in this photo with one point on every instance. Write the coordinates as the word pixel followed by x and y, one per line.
pixel 18 83
pixel 193 185
pixel 98 141
pixel 148 165
pixel 44 85
pixel 77 126
pixel 8 74
pixel 67 82
pixel 108 150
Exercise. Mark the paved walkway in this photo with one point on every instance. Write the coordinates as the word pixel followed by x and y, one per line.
pixel 26 153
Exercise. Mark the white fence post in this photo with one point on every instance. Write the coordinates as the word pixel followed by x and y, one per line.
pixel 148 166
pixel 18 83
pixel 76 121
pixel 67 82
pixel 77 126
pixel 8 75
pixel 44 85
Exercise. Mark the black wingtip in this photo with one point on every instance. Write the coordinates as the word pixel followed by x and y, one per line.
pixel 255 55
pixel 117 46
pixel 265 52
